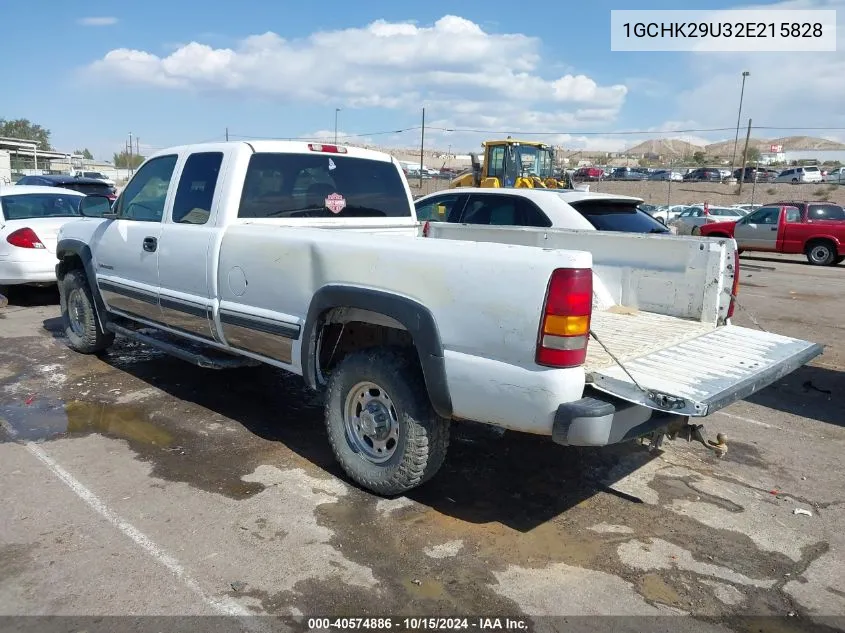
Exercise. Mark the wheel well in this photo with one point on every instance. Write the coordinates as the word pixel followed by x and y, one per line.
pixel 68 263
pixel 345 330
pixel 821 240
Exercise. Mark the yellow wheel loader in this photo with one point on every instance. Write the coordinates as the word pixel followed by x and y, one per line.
pixel 511 163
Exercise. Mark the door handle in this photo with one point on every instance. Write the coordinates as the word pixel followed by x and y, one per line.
pixel 150 244
pixel 774 228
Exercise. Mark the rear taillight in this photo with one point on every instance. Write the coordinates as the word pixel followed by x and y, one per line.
pixel 565 325
pixel 331 149
pixel 426 228
pixel 735 287
pixel 24 238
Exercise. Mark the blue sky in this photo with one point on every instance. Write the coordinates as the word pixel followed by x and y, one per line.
pixel 177 72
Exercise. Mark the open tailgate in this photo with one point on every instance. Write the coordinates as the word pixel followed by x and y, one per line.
pixel 685 367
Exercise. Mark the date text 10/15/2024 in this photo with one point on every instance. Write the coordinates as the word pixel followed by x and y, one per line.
pixel 419 624
pixel 735 30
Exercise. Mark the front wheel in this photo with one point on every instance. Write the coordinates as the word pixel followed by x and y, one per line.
pixel 79 315
pixel 821 254
pixel 381 425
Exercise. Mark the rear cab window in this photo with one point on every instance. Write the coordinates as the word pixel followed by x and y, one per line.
pixel 617 215
pixel 320 185
pixel 826 212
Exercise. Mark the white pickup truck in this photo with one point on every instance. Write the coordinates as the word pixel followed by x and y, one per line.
pixel 310 258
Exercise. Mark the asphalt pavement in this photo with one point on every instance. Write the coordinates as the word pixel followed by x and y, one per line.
pixel 134 484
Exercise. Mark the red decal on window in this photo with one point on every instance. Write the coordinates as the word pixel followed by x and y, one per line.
pixel 335 202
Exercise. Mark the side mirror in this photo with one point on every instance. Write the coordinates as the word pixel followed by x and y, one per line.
pixel 96 206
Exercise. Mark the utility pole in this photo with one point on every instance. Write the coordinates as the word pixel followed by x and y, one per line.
pixel 227 134
pixel 138 145
pixel 336 110
pixel 745 74
pixel 744 159
pixel 422 146
pixel 669 192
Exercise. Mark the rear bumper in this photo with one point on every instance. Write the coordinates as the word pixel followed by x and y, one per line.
pixel 603 420
pixel 27 272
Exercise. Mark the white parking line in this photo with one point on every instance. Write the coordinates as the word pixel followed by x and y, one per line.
pixel 749 420
pixel 223 607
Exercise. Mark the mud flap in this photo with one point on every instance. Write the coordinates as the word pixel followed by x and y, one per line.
pixel 704 374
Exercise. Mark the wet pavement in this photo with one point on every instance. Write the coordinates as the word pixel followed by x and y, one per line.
pixel 137 484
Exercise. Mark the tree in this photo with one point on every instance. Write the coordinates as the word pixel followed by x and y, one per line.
pixel 753 154
pixel 24 129
pixel 125 160
pixel 86 153
pixel 699 158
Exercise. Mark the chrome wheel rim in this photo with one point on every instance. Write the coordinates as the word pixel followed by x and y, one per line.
pixel 372 425
pixel 819 253
pixel 76 312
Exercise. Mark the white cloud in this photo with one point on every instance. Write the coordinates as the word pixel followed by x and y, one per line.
pixel 97 21
pixel 463 75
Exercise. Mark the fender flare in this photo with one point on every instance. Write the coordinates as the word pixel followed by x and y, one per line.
pixel 415 317
pixel 70 246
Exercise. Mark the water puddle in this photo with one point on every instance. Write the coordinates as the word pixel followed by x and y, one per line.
pixel 48 418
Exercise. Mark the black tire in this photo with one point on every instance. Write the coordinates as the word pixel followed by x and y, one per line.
pixel 81 326
pixel 821 253
pixel 422 436
pixel 695 231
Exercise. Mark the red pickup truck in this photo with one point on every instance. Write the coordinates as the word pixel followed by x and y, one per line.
pixel 815 229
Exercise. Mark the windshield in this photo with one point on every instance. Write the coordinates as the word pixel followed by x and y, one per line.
pixel 321 185
pixel 612 215
pixel 534 160
pixel 39 205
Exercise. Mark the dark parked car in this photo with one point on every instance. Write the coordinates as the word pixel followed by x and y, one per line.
pixel 704 174
pixel 82 185
pixel 755 174
pixel 628 173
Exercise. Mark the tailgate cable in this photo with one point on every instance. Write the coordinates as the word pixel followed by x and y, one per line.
pixel 748 312
pixel 618 362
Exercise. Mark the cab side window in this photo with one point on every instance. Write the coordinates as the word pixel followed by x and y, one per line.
pixel 144 197
pixel 765 215
pixel 196 188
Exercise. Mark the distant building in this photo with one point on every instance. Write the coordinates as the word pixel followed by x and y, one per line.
pixel 820 155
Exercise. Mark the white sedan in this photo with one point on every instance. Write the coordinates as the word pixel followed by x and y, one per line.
pixel 30 218
pixel 688 221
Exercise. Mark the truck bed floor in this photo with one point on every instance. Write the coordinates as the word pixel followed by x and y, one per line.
pixel 630 334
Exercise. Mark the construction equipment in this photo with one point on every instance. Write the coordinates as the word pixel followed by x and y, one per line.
pixel 511 163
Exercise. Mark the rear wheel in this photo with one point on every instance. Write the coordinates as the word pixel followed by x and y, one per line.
pixel 79 315
pixel 381 425
pixel 821 253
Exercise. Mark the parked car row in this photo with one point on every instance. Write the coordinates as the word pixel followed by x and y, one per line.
pixel 793 175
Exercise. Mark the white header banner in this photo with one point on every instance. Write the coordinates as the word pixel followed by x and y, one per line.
pixel 739 30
